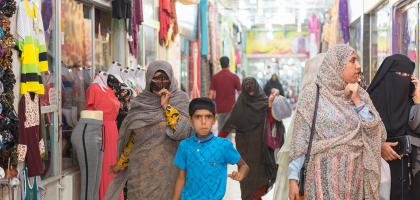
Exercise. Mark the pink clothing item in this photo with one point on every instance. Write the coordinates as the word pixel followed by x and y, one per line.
pixel 107 102
pixel 314 26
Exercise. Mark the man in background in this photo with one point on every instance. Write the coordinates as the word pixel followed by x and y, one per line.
pixel 223 89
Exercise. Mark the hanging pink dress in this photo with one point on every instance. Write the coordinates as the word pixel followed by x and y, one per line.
pixel 107 102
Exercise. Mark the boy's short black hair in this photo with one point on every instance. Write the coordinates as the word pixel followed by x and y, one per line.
pixel 202 103
pixel 224 62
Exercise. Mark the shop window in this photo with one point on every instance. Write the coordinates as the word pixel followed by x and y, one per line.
pixel 409 36
pixel 103 56
pixel 380 37
pixel 149 10
pixel 48 101
pixel 75 70
pixel 148 51
pixel 184 64
pixel 355 36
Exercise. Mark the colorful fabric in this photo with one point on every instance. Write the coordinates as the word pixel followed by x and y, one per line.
pixel 107 102
pixel 204 27
pixel 205 162
pixel 31 41
pixel 123 160
pixel 172 116
pixel 30 134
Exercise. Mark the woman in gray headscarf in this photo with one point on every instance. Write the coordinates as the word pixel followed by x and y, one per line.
pixel 148 137
pixel 281 190
pixel 345 157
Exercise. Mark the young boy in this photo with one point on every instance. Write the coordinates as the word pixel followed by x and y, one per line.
pixel 203 158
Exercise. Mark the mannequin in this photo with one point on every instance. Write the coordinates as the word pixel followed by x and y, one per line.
pixel 95 137
pixel 87 141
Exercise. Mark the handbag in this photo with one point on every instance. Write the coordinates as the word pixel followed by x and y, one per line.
pixel 308 152
pixel 281 108
pixel 275 135
pixel 404 144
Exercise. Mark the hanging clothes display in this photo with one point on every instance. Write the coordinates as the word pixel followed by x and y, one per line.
pixel 204 31
pixel 101 97
pixel 137 20
pixel 29 188
pixel 8 117
pixel 314 26
pixel 344 20
pixel 168 23
pixel 30 142
pixel 31 42
pixel 76 49
pixel 332 31
pixel 214 34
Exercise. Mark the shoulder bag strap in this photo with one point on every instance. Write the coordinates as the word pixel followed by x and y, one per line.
pixel 308 152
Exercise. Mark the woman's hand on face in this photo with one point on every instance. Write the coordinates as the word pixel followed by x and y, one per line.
pixel 352 91
pixel 388 153
pixel 293 190
pixel 416 83
pixel 164 98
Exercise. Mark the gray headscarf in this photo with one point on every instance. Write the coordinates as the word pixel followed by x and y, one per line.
pixel 145 111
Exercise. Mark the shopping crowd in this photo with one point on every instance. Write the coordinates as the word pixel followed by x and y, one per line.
pixel 345 141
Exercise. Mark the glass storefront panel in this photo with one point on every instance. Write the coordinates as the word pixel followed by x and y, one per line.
pixel 103 56
pixel 149 9
pixel 380 37
pixel 355 36
pixel 76 69
pixel 148 51
pixel 409 36
pixel 48 101
pixel 184 64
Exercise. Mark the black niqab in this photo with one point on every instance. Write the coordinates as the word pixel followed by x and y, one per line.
pixel 273 84
pixel 391 93
pixel 249 111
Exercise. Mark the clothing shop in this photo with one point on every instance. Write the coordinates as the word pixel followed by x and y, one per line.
pixel 84 42
pixel 382 28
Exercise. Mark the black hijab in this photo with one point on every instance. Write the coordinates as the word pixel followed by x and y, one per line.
pixel 249 111
pixel 391 93
pixel 273 83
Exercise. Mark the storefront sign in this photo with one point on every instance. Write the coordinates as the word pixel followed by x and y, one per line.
pixel 276 43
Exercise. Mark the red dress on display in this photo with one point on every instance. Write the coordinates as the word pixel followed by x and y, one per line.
pixel 107 102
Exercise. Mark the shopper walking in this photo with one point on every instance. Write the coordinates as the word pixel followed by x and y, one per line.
pixel 344 161
pixel 393 90
pixel 248 118
pixel 274 82
pixel 148 137
pixel 223 88
pixel 281 190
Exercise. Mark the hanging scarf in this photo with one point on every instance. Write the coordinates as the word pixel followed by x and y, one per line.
pixel 391 93
pixel 340 134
